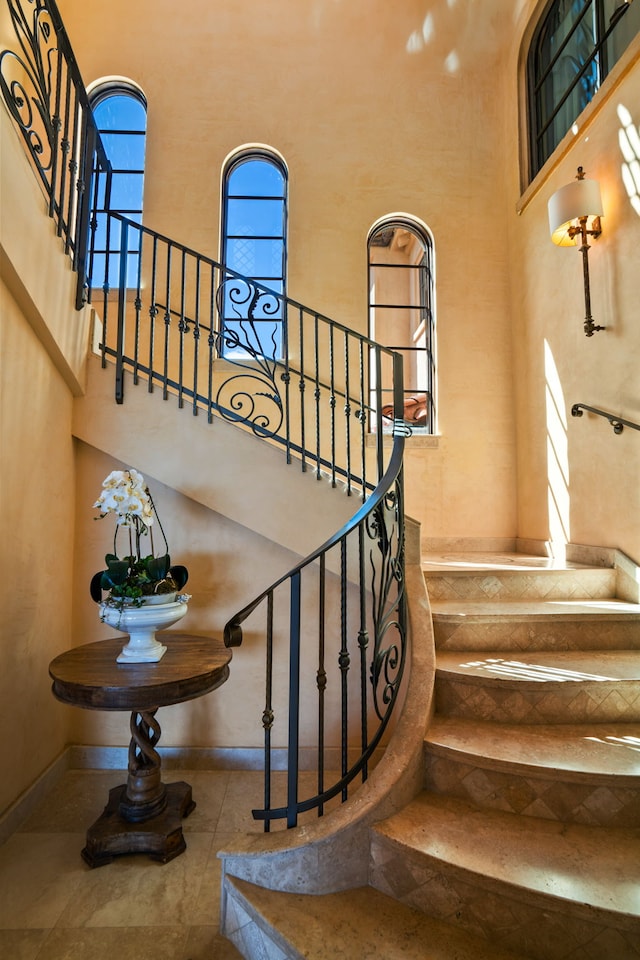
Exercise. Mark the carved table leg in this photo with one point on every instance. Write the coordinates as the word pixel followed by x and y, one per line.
pixel 144 815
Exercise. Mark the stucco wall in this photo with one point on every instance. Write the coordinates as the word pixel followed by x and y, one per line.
pixel 37 509
pixel 42 354
pixel 376 108
pixel 577 480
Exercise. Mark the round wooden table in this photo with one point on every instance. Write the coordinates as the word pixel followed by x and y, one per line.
pixel 144 815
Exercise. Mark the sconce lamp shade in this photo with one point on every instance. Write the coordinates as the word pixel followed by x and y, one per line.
pixel 580 198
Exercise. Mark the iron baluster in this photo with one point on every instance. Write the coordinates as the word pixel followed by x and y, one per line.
pixel 362 417
pixel 153 306
pixel 196 340
pixel 344 662
pixel 138 305
pixel 211 343
pixel 268 715
pixel 293 757
pixel 347 412
pixel 182 328
pixel 167 325
pixel 363 643
pixel 321 678
pixel 122 302
pixel 317 395
pixel 332 404
pixel 301 387
pixel 65 150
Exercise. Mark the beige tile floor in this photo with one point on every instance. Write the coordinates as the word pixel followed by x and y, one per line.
pixel 53 907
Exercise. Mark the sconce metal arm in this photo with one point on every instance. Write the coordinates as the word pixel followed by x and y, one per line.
pixel 589 326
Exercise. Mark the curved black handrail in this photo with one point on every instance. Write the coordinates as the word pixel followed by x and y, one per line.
pixel 618 423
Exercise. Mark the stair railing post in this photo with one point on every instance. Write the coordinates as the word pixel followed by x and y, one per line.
pixel 294 702
pixel 122 304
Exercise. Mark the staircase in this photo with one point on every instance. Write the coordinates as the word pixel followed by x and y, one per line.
pixel 524 842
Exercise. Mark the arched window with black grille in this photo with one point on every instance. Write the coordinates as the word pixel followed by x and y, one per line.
pixel 120 111
pixel 574 46
pixel 402 315
pixel 254 245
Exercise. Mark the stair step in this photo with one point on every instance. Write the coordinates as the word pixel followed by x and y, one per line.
pixel 467 577
pixel 586 774
pixel 536 625
pixel 540 687
pixel 543 887
pixel 361 923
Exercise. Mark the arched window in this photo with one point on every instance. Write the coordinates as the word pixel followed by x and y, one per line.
pixel 254 244
pixel 120 112
pixel 574 46
pixel 401 313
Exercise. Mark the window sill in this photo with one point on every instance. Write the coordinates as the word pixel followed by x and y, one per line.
pixel 417 440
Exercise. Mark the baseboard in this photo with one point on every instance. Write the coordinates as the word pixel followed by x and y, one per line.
pixel 19 811
pixel 209 758
pixel 78 757
pixel 440 545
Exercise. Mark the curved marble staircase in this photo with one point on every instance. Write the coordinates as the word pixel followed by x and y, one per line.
pixel 524 842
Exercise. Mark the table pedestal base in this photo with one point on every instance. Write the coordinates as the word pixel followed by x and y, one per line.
pixel 160 837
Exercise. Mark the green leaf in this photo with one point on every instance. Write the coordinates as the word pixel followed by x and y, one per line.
pixel 158 567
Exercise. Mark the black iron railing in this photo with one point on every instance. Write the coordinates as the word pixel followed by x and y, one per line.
pixel 353 640
pixel 41 85
pixel 228 346
pixel 618 423
pixel 231 347
pixel 336 623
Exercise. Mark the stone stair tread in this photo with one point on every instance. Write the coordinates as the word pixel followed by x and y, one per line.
pixel 606 751
pixel 362 923
pixel 485 610
pixel 542 666
pixel 464 563
pixel 591 869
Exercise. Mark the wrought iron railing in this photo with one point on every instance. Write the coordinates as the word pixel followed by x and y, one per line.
pixel 229 346
pixel 618 423
pixel 353 639
pixel 336 623
pixel 41 85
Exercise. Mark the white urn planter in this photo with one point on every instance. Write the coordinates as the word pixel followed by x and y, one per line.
pixel 141 623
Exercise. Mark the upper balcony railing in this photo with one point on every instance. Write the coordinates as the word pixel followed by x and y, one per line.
pixel 41 85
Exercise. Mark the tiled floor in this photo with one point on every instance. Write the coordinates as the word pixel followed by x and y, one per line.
pixel 53 907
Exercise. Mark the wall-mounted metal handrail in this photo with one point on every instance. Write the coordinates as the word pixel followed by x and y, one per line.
pixel 618 423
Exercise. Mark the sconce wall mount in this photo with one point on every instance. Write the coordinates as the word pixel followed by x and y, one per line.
pixel 574 212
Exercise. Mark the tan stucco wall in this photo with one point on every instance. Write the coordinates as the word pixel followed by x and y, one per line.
pixel 42 354
pixel 37 507
pixel 376 108
pixel 577 480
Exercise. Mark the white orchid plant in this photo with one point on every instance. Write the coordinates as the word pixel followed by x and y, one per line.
pixel 133 577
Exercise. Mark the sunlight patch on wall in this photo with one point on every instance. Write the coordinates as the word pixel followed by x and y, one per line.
pixel 629 141
pixel 557 456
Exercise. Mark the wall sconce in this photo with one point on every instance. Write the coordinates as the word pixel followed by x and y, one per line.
pixel 574 212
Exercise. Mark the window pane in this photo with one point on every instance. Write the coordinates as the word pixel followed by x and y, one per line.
pixel 256 178
pixel 400 299
pixel 127 150
pixel 257 259
pixel 120 112
pixel 251 218
pixel 570 55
